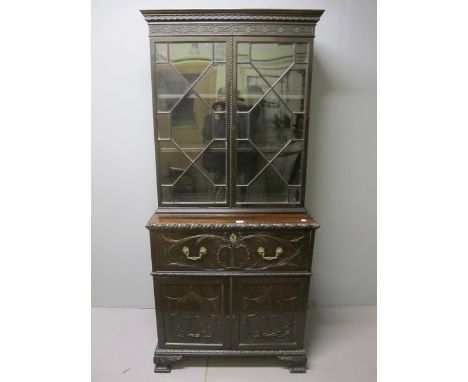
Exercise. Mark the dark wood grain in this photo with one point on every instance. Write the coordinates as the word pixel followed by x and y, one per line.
pixel 232 279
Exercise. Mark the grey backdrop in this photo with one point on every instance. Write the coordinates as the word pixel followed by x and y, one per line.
pixel 341 181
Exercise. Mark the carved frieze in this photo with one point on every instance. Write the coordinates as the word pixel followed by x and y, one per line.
pixel 230 29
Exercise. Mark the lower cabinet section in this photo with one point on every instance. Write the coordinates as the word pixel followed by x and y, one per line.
pixel 256 313
pixel 231 289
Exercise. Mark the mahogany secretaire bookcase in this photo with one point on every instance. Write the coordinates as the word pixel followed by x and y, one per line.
pixel 231 242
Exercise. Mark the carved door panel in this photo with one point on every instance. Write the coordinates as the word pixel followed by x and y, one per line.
pixel 269 312
pixel 192 312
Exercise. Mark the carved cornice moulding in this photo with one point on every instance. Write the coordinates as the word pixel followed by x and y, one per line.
pixel 232 22
pixel 305 15
pixel 233 226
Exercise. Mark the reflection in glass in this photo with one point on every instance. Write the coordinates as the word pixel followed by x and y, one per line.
pixel 270 122
pixel 249 162
pixel 191 59
pixel 243 52
pixel 172 162
pixel 171 87
pixel 164 125
pixel 291 88
pixel 268 187
pixel 298 126
pixel 301 52
pixel 161 53
pixel 271 130
pixel 206 87
pixel 289 163
pixel 193 186
pixel 213 162
pixel 251 89
pixel 191 122
pixel 219 51
pixel 272 61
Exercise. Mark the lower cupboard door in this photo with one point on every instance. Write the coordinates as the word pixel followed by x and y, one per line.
pixel 192 312
pixel 269 312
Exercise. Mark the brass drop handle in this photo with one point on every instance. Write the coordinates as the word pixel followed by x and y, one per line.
pixel 186 251
pixel 278 252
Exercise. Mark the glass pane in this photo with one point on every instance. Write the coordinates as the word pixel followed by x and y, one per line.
pixel 271 83
pixel 241 195
pixel 215 127
pixel 270 125
pixel 191 122
pixel 268 187
pixel 161 52
pixel 171 87
pixel 191 59
pixel 242 125
pixel 213 162
pixel 289 162
pixel 250 87
pixel 172 162
pixel 298 126
pixel 272 60
pixel 220 194
pixel 291 87
pixel 243 52
pixel 166 194
pixel 249 162
pixel 220 51
pixel 206 87
pixel 163 124
pixel 194 187
pixel 301 52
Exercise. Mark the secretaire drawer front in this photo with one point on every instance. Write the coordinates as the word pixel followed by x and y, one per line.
pixel 232 250
pixel 273 251
pixel 189 251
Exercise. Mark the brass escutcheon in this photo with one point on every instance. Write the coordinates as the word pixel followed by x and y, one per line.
pixel 233 238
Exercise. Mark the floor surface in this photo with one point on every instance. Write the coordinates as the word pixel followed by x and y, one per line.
pixel 341 345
